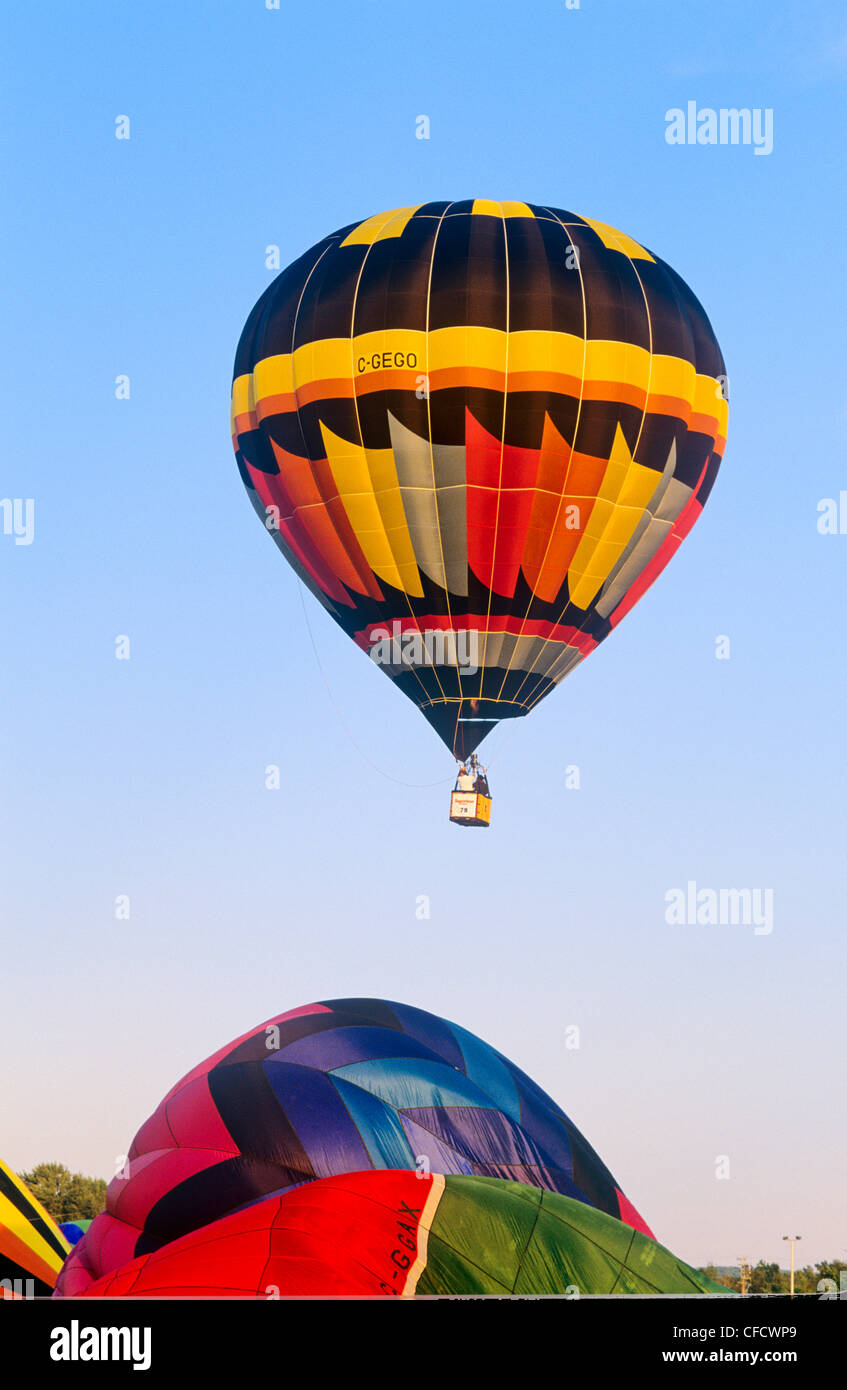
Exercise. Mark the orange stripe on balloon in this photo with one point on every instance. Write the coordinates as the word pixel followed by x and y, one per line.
pixel 281 404
pixel 668 405
pixel 15 1248
pixel 480 378
pixel 329 492
pixel 706 424
pixel 333 389
pixel 271 490
pixel 620 393
pixel 567 487
pixel 308 489
pixel 559 383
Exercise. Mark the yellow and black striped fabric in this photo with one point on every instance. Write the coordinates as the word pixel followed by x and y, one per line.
pixel 32 1248
pixel 484 425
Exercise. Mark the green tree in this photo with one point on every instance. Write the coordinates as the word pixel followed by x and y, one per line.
pixel 66 1196
pixel 828 1269
pixel 805 1280
pixel 767 1278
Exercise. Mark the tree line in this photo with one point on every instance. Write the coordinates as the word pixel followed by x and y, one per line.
pixel 769 1278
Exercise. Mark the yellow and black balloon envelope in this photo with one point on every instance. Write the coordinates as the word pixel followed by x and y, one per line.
pixel 32 1247
pixel 478 431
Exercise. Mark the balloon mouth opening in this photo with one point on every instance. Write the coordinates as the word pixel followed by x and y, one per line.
pixel 463 724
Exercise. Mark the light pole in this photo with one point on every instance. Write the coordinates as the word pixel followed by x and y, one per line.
pixel 744 1274
pixel 792 1239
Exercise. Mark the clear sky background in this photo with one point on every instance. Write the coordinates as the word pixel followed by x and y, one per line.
pixel 146 777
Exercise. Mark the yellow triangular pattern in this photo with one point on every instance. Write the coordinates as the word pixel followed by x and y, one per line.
pixel 368 486
pixel 618 241
pixel 381 226
pixel 624 493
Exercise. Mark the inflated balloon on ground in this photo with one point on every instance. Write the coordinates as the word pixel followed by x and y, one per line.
pixel 332 1088
pixel 32 1247
pixel 400 1233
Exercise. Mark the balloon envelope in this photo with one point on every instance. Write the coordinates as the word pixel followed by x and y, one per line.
pixel 400 1233
pixel 73 1231
pixel 32 1248
pixel 478 431
pixel 332 1088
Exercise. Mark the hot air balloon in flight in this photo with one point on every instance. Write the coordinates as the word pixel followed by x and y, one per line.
pixel 478 431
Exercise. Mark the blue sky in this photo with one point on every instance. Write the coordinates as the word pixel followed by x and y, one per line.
pixel 145 777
